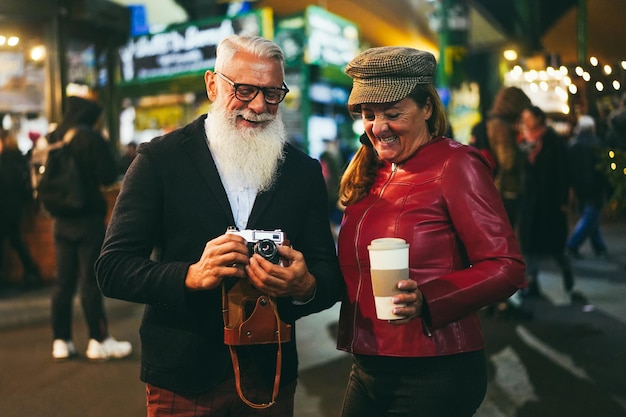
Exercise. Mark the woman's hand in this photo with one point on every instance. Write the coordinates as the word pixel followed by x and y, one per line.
pixel 409 302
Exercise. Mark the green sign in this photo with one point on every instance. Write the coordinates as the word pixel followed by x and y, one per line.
pixel 318 37
pixel 188 48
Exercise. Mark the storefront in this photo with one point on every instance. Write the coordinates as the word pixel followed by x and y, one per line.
pixel 48 51
pixel 163 88
pixel 60 49
pixel 162 85
pixel 318 45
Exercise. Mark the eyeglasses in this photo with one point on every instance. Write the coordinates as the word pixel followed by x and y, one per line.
pixel 247 92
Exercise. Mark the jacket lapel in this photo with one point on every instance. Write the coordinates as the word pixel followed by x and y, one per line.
pixel 260 203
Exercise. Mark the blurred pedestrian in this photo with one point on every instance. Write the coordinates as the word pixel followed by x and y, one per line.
pixel 497 138
pixel 78 237
pixel 130 152
pixel 543 215
pixel 16 193
pixel 332 168
pixel 590 188
pixel 616 134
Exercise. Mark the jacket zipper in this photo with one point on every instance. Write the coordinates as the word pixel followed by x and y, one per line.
pixel 394 168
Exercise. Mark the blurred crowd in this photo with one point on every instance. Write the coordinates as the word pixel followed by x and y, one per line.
pixel 551 178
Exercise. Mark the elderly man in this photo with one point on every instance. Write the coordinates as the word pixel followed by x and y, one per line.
pixel 167 244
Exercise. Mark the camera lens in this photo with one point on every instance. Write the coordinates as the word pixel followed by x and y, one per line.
pixel 267 249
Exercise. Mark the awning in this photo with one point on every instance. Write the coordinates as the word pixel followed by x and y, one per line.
pixel 17 101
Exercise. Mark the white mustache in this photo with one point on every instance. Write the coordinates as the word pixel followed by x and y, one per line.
pixel 254 117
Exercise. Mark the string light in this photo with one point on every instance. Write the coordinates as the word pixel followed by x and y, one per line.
pixel 554 85
pixel 9 41
pixel 510 54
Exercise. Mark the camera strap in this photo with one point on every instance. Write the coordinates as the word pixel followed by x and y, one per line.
pixel 251 317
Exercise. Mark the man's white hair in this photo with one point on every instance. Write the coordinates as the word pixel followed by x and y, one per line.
pixel 260 47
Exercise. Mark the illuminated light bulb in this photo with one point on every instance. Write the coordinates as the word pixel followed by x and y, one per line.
pixel 593 61
pixel 510 54
pixel 38 53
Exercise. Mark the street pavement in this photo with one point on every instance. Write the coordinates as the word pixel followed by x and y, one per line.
pixel 578 346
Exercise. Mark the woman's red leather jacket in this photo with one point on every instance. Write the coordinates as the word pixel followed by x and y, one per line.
pixel 463 253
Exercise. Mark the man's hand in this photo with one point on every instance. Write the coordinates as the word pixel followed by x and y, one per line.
pixel 290 279
pixel 224 256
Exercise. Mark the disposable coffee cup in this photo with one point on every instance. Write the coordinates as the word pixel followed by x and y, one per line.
pixel 389 263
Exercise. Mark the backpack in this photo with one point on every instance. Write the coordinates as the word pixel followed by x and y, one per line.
pixel 60 188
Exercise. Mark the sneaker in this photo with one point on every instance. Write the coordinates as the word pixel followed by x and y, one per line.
pixel 109 348
pixel 63 349
pixel 574 254
pixel 532 290
pixel 509 311
pixel 578 298
pixel 602 254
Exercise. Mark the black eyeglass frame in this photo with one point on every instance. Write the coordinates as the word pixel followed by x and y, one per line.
pixel 283 90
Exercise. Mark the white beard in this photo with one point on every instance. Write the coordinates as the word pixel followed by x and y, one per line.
pixel 246 157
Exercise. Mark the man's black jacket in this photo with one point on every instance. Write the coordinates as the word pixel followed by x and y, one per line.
pixel 171 203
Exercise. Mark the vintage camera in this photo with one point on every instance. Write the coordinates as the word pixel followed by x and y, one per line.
pixel 262 242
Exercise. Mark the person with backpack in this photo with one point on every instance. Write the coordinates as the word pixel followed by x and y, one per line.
pixel 79 230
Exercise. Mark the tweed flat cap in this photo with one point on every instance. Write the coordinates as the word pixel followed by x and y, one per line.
pixel 388 74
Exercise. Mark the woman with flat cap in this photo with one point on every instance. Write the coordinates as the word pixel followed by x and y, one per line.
pixel 408 181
